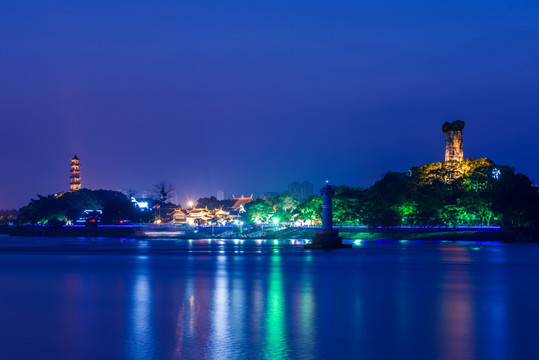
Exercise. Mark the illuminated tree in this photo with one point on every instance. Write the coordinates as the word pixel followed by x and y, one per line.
pixel 258 211
pixel 310 209
pixel 285 201
pixel 448 171
pixel 408 212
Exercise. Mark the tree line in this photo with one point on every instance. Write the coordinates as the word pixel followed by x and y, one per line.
pixel 451 193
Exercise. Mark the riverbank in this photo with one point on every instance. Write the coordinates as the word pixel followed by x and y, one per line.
pixel 359 233
pixel 455 234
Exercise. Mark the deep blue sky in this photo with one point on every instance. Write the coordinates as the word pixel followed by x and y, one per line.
pixel 249 96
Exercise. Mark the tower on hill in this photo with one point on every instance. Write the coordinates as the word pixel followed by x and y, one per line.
pixel 453 140
pixel 75 174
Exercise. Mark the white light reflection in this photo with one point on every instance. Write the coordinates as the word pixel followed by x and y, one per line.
pixel 220 329
pixel 186 318
pixel 141 328
pixel 307 310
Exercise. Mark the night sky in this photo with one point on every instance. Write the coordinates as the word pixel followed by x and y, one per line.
pixel 248 96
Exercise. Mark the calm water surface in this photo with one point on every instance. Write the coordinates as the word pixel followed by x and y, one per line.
pixel 170 299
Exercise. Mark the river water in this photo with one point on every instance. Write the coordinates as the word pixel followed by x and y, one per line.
pixel 208 299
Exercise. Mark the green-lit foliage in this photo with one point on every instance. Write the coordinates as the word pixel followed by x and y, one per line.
pixel 282 206
pixel 443 193
pixel 310 210
pixel 467 192
pixel 285 202
pixel 258 211
pixel 408 212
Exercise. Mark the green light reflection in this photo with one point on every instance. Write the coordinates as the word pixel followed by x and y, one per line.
pixel 276 346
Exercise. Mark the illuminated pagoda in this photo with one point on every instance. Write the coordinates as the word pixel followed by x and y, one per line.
pixel 453 140
pixel 75 174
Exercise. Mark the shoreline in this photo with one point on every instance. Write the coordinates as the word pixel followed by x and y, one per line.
pixel 149 232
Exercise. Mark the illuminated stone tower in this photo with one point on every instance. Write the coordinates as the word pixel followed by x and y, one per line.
pixel 75 174
pixel 453 140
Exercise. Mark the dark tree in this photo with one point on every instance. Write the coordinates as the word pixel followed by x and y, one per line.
pixel 66 206
pixel 118 209
pixel 131 193
pixel 163 191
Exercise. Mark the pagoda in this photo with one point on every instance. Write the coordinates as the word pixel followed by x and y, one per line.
pixel 75 174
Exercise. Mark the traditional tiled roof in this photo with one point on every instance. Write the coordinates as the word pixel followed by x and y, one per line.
pixel 182 216
pixel 242 200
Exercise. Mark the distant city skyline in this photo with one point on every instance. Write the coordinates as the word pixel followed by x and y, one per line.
pixel 248 97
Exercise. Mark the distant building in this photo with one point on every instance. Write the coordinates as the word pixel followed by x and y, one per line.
pixel 8 216
pixel 268 195
pixel 223 195
pixel 453 140
pixel 74 179
pixel 146 194
pixel 302 191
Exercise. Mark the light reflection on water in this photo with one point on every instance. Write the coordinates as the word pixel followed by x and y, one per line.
pixel 275 341
pixel 244 300
pixel 457 338
pixel 141 331
pixel 220 330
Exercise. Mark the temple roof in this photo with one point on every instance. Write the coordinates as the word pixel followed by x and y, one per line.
pixel 242 200
pixel 242 197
